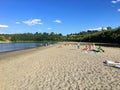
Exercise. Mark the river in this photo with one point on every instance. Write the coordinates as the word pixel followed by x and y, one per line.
pixel 6 47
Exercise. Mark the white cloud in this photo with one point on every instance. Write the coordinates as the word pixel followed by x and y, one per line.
pixel 17 22
pixel 49 28
pixel 3 26
pixel 33 22
pixel 115 1
pixel 119 10
pixel 58 21
pixel 100 28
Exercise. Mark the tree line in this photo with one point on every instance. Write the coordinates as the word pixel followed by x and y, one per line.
pixel 105 36
pixel 108 35
pixel 32 37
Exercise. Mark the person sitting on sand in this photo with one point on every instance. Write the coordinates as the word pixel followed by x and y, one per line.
pixel 86 48
pixel 93 46
pixel 94 49
pixel 89 47
pixel 78 45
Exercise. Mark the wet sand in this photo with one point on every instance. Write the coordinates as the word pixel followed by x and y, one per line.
pixel 59 68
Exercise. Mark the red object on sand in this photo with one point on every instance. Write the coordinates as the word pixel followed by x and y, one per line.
pixel 116 61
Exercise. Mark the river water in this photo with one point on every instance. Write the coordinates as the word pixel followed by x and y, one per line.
pixel 6 47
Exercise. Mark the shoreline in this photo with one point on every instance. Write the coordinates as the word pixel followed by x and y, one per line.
pixel 16 46
pixel 15 53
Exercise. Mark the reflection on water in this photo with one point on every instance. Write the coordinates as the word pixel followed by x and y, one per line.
pixel 5 47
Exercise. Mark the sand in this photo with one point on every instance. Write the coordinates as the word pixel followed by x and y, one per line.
pixel 63 68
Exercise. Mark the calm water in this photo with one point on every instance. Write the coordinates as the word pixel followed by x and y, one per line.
pixel 5 47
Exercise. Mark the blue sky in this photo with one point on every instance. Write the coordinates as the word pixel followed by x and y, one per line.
pixel 59 16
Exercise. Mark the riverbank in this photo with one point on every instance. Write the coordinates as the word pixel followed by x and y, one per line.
pixel 23 52
pixel 5 41
pixel 59 68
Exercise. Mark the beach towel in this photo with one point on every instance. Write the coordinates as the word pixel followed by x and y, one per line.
pixel 92 52
pixel 117 66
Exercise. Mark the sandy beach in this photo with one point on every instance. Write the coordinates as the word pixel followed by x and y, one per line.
pixel 59 68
